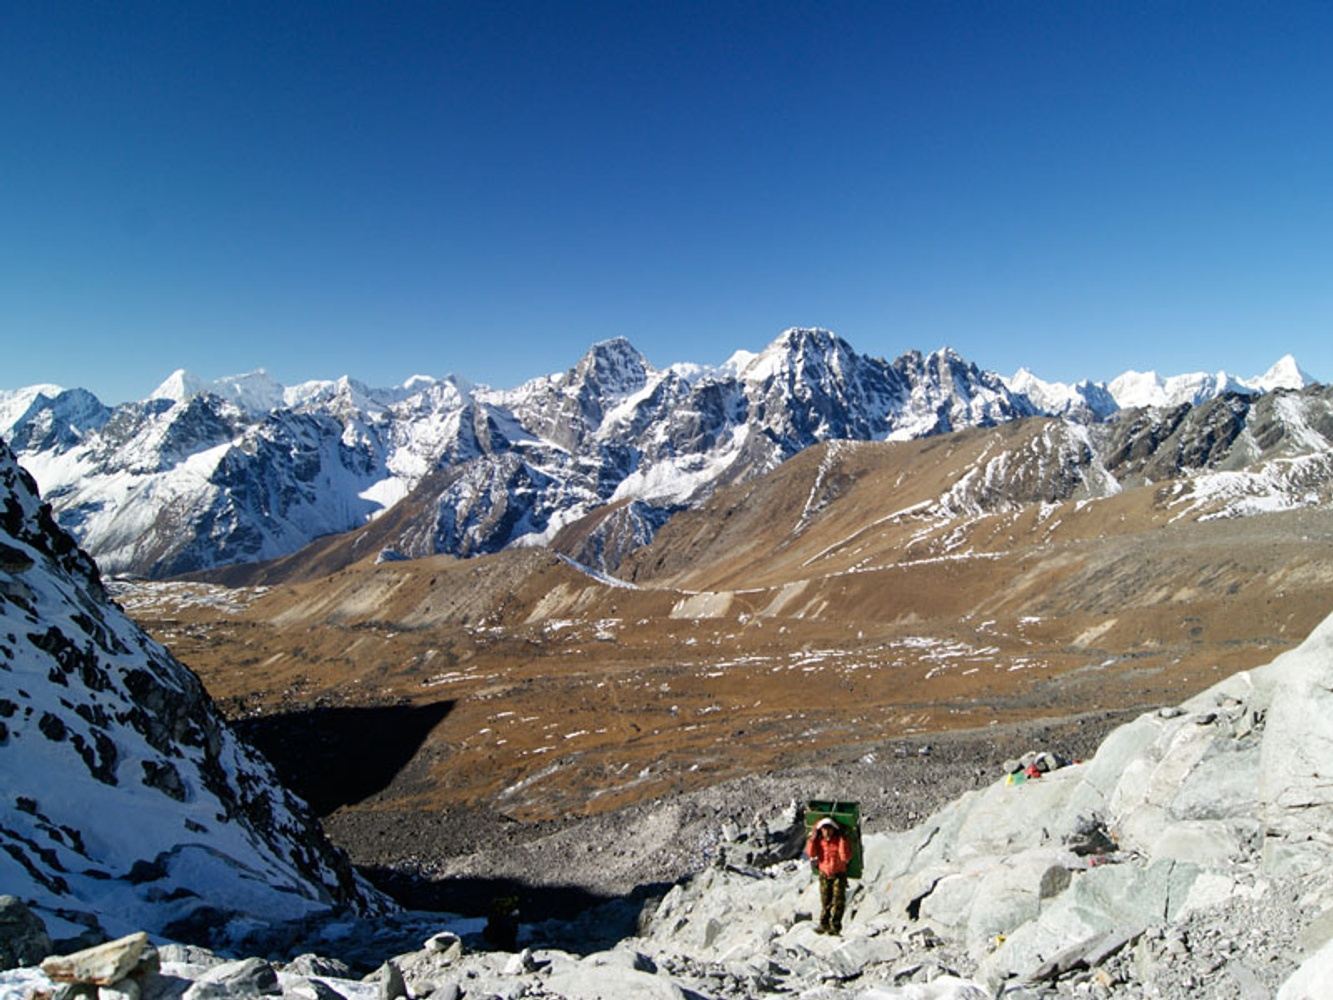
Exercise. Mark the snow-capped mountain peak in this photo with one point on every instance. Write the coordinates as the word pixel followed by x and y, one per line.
pixel 1137 389
pixel 795 349
pixel 14 403
pixel 1284 374
pixel 737 363
pixel 254 392
pixel 178 387
pixel 614 368
pixel 1083 401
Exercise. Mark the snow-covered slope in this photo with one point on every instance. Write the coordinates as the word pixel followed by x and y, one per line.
pixel 1285 374
pixel 15 402
pixel 1094 401
pixel 1133 389
pixel 125 800
pixel 254 392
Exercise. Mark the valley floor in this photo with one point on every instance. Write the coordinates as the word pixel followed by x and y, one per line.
pixel 458 859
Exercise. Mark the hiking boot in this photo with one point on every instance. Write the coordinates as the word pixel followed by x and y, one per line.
pixel 821 929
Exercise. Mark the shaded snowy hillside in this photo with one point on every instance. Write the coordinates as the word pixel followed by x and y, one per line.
pixel 125 800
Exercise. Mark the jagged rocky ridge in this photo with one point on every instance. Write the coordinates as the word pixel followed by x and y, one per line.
pixel 1230 456
pixel 194 478
pixel 242 470
pixel 126 802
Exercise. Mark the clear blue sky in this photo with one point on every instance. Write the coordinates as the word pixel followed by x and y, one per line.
pixel 381 189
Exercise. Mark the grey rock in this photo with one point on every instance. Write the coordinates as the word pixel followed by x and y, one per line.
pixel 247 977
pixel 520 964
pixel 189 954
pixel 623 957
pixel 156 986
pixel 101 965
pixel 311 964
pixel 313 989
pixel 609 983
pixel 23 937
pixel 126 989
pixel 854 957
pixel 446 991
pixel 1247 983
pixel 447 944
pixel 389 979
pixel 1110 944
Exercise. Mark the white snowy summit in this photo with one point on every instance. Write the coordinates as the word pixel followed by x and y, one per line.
pixel 254 393
pixel 1285 374
pixel 1134 389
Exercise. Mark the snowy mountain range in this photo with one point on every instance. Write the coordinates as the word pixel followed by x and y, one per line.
pixel 129 803
pixel 1094 401
pixel 242 469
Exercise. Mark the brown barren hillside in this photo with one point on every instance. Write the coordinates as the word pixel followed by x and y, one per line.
pixel 857 594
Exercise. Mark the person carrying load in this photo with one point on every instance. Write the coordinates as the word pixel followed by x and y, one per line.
pixel 830 849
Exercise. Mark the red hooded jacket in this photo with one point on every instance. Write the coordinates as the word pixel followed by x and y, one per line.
pixel 832 855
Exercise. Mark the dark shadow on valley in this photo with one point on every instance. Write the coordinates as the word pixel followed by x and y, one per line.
pixel 583 921
pixel 335 757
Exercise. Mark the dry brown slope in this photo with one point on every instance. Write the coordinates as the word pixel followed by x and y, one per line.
pixel 790 614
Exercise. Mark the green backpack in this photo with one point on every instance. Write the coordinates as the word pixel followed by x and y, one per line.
pixel 848 816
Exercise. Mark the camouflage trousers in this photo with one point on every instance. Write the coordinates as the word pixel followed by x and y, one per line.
pixel 832 901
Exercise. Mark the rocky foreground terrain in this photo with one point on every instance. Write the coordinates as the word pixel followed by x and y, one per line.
pixel 1188 857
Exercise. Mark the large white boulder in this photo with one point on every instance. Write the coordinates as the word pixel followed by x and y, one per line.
pixel 1296 764
pixel 1312 980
